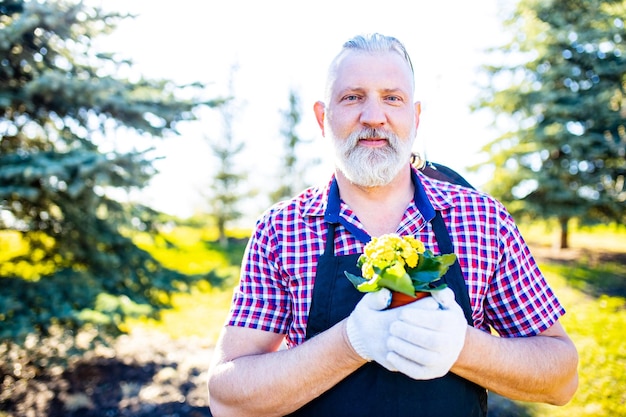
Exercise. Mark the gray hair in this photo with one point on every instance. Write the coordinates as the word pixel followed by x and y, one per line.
pixel 375 42
pixel 372 43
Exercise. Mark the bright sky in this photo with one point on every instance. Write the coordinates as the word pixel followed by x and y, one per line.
pixel 283 44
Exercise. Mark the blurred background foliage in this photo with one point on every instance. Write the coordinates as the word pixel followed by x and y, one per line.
pixel 72 261
pixel 557 92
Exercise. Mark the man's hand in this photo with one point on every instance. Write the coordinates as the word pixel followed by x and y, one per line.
pixel 427 337
pixel 368 327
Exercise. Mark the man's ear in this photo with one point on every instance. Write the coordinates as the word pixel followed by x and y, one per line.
pixel 418 111
pixel 320 112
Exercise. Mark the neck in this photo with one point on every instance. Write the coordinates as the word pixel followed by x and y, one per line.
pixel 380 209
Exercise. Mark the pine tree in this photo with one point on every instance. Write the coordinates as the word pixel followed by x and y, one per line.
pixel 225 194
pixel 291 176
pixel 565 156
pixel 75 262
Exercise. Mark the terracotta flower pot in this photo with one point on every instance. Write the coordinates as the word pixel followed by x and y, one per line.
pixel 399 299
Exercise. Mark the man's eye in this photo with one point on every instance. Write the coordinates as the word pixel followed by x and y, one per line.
pixel 393 98
pixel 351 97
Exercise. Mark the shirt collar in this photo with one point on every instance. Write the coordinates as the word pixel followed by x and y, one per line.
pixel 420 197
pixel 333 206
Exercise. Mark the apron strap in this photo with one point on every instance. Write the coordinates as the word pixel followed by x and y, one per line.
pixel 329 248
pixel 454 277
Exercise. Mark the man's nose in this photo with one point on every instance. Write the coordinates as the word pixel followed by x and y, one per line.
pixel 373 114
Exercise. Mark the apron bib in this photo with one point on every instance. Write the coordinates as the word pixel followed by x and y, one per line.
pixel 372 390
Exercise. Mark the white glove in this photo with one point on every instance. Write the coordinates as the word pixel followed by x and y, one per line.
pixel 368 327
pixel 428 336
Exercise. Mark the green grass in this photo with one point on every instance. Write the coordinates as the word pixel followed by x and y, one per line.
pixel 201 312
pixel 611 238
pixel 596 325
pixel 591 284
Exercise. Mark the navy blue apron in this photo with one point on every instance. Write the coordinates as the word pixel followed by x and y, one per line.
pixel 372 390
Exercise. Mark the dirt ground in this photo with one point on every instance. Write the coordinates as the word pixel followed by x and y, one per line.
pixel 144 374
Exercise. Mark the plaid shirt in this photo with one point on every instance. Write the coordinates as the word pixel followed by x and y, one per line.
pixel 507 291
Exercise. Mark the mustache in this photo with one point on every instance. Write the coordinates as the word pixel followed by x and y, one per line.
pixel 372 133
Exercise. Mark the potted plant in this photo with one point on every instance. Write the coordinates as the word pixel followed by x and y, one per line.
pixel 403 265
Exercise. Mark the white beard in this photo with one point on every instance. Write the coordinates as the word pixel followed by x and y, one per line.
pixel 372 167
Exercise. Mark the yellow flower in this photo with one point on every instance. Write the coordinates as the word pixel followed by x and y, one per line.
pixel 367 270
pixel 386 251
pixel 417 245
pixel 411 259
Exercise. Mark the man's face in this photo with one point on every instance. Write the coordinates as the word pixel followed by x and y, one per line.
pixel 370 116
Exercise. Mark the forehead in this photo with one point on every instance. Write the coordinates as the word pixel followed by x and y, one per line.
pixel 361 69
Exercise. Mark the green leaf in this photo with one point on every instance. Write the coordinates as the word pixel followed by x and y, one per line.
pixel 369 286
pixel 355 280
pixel 401 284
pixel 428 287
pixel 431 267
